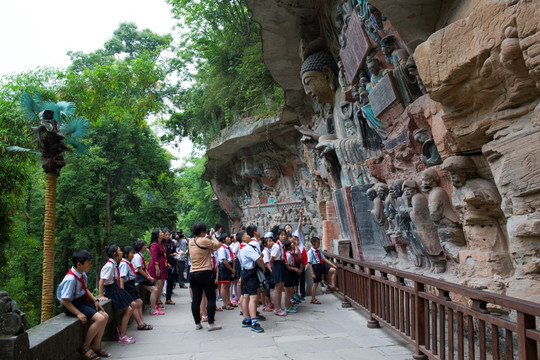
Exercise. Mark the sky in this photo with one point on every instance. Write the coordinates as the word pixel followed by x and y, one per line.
pixel 37 33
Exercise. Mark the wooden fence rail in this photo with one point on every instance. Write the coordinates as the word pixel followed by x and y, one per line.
pixel 442 320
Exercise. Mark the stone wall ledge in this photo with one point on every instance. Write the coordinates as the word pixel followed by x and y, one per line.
pixel 59 337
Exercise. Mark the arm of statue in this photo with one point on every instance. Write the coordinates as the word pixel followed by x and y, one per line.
pixel 304 130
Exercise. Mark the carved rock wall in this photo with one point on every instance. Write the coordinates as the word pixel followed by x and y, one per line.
pixel 428 164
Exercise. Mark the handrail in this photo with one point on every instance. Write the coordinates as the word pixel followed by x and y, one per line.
pixel 442 320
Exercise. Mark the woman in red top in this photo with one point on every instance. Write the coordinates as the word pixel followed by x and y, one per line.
pixel 158 262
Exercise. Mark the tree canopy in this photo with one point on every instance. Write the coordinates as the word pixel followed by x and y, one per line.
pixel 220 63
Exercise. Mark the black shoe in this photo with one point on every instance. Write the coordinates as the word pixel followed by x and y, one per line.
pixel 260 317
pixel 246 323
pixel 257 328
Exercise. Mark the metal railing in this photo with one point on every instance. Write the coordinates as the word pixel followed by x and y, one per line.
pixel 442 320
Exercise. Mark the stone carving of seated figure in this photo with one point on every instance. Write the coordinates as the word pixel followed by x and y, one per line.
pixel 443 215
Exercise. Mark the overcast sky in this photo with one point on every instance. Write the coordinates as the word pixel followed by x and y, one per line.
pixel 36 33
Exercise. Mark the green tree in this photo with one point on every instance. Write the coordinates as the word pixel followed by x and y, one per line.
pixel 220 58
pixel 196 201
pixel 16 167
pixel 57 130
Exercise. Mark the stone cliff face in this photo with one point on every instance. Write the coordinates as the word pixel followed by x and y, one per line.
pixel 428 162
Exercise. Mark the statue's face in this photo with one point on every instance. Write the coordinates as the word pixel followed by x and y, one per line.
pixel 409 192
pixel 317 85
pixel 428 182
pixel 395 190
pixel 382 192
pixel 371 195
pixel 271 173
pixel 458 178
pixel 421 137
pixel 374 67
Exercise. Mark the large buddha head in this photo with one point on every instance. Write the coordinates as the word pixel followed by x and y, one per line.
pixel 319 74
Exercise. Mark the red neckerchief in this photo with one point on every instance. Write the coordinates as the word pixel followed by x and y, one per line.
pixel 293 257
pixel 213 262
pixel 282 248
pixel 143 261
pixel 130 265
pixel 230 251
pixel 117 270
pixel 318 255
pixel 242 245
pixel 70 272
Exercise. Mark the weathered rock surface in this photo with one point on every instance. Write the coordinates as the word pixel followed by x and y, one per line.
pixel 477 64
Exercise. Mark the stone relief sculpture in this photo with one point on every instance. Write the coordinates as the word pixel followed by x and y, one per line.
pixel 423 229
pixel 442 213
pixel 376 71
pixel 406 79
pixel 391 206
pixel 478 202
pixel 430 155
pixel 13 321
pixel 377 194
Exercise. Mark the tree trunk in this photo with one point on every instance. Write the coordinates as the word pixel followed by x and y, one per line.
pixel 47 291
pixel 108 213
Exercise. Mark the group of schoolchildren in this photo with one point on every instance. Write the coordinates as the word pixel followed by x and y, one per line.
pixel 281 255
pixel 123 269
pixel 238 265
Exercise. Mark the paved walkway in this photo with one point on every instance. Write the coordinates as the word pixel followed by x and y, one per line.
pixel 325 332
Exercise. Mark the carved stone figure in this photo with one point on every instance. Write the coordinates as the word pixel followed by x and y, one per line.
pixel 407 81
pixel 478 202
pixel 430 155
pixel 377 193
pixel 391 206
pixel 443 215
pixel 13 321
pixel 424 230
pixel 376 71
pixel 319 77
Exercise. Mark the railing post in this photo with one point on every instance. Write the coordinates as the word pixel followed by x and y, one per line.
pixel 419 321
pixel 526 346
pixel 372 323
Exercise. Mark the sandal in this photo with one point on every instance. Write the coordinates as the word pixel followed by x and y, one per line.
pixel 219 309
pixel 228 307
pixel 315 301
pixel 88 353
pixel 145 327
pixel 126 340
pixel 102 353
pixel 204 318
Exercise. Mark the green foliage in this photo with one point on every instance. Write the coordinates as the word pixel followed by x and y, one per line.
pixel 196 197
pixel 16 167
pixel 220 58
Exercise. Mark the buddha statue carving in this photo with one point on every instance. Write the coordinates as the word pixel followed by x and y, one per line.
pixel 319 75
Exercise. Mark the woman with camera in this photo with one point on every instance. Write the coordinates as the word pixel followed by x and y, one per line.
pixel 201 275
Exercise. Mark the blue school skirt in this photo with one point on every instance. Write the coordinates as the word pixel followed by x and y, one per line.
pixel 129 286
pixel 267 275
pixel 224 274
pixel 292 278
pixel 120 298
pixel 279 272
